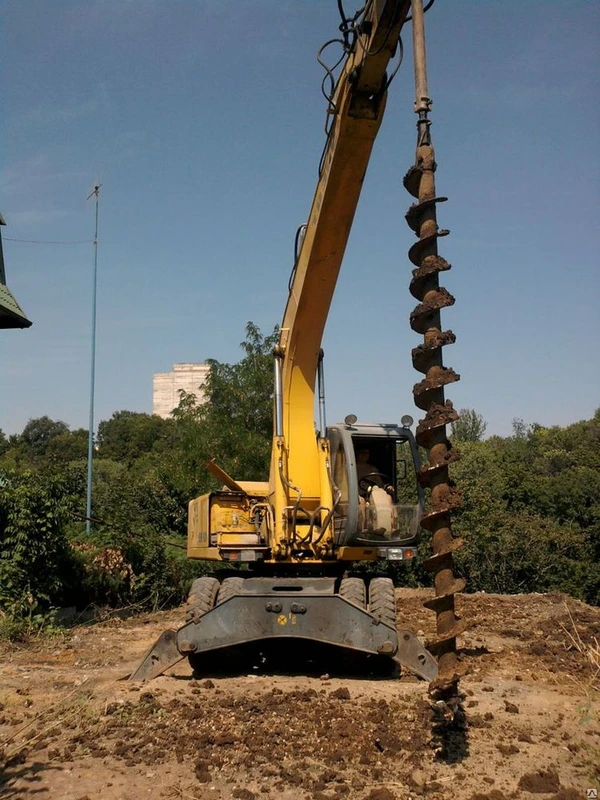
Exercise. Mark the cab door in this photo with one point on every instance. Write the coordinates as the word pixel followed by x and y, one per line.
pixel 343 471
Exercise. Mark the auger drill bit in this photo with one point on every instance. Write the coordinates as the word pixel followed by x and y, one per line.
pixel 429 393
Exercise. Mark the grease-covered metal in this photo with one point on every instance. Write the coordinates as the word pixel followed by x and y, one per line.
pixel 429 393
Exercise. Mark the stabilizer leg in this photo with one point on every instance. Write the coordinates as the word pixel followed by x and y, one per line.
pixel 162 655
pixel 413 656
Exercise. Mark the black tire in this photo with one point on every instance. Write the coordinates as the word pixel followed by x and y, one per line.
pixel 201 598
pixel 382 600
pixel 229 588
pixel 354 590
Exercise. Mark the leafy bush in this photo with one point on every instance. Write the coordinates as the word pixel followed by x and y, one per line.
pixel 37 570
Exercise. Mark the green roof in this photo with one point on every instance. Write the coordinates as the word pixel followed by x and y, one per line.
pixel 11 313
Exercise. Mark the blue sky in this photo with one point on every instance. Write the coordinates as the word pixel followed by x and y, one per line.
pixel 203 121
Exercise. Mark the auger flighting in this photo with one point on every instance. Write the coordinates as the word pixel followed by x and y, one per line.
pixel 429 393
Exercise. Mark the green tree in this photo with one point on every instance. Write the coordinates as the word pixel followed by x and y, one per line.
pixel 530 514
pixel 67 447
pixel 36 565
pixel 242 393
pixel 138 516
pixel 235 423
pixel 469 427
pixel 38 433
pixel 511 547
pixel 45 445
pixel 4 443
pixel 127 435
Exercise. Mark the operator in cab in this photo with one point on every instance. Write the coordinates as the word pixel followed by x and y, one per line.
pixel 369 475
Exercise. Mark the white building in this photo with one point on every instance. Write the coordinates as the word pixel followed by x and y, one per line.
pixel 167 385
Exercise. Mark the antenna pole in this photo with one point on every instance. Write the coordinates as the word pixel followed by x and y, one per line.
pixel 88 508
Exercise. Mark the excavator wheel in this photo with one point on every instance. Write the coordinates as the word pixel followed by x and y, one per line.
pixel 206 593
pixel 354 590
pixel 382 600
pixel 382 604
pixel 201 598
pixel 229 588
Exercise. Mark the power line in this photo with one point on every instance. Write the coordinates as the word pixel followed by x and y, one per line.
pixel 48 241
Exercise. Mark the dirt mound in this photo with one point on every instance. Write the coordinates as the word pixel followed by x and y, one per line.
pixel 316 740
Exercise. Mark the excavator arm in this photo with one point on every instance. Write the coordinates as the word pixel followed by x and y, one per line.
pixel 299 471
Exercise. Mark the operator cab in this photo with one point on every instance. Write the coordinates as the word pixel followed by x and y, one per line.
pixel 374 471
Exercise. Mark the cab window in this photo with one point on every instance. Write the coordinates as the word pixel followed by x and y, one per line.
pixel 406 479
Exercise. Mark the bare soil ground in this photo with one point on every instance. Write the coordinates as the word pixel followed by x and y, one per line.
pixel 71 729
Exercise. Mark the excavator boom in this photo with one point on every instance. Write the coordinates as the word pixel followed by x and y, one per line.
pixel 355 112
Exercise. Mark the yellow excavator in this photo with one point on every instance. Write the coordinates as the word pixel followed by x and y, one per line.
pixel 336 494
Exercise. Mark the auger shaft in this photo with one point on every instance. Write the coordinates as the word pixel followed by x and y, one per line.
pixel 429 393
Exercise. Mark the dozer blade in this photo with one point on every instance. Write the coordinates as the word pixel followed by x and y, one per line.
pixel 162 655
pixel 413 656
pixel 305 609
